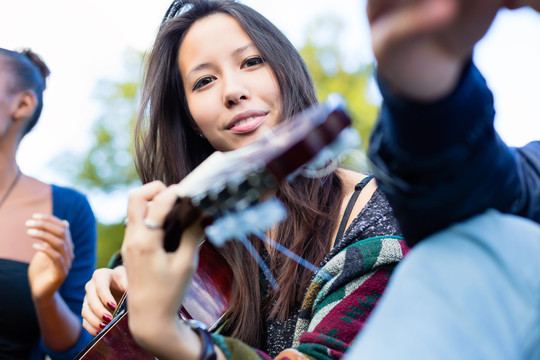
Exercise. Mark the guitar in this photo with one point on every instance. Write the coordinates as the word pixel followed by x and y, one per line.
pixel 207 300
pixel 230 192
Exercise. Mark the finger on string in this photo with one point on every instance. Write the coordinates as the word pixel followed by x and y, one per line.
pixel 161 205
pixel 147 230
pixel 100 300
pixel 138 199
pixel 117 287
pixel 90 317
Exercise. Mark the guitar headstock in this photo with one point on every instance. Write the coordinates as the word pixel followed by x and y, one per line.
pixel 226 188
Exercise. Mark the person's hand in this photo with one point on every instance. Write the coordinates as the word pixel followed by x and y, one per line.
pixel 422 45
pixel 158 280
pixel 54 255
pixel 103 292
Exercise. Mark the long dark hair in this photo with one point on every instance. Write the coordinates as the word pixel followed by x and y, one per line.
pixel 29 72
pixel 168 148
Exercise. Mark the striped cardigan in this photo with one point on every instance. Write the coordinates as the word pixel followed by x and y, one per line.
pixel 343 292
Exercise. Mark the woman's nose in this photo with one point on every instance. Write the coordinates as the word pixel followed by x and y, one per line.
pixel 234 92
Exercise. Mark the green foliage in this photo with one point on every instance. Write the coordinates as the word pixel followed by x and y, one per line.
pixel 108 164
pixel 109 241
pixel 327 64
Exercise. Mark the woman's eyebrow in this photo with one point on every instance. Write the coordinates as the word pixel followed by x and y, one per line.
pixel 241 49
pixel 204 66
pixel 198 68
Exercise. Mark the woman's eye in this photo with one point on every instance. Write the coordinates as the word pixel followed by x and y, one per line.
pixel 203 82
pixel 252 61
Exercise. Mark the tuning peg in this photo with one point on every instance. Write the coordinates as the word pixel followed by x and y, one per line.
pixel 236 225
pixel 332 155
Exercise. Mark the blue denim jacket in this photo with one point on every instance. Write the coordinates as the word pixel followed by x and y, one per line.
pixel 443 162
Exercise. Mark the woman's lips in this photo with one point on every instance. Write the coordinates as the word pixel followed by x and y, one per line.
pixel 247 124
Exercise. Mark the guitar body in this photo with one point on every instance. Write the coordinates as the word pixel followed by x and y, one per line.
pixel 207 300
pixel 208 296
pixel 115 342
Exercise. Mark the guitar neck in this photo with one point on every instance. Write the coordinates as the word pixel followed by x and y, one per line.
pixel 228 183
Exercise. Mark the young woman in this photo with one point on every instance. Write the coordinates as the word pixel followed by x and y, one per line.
pixel 47 241
pixel 219 72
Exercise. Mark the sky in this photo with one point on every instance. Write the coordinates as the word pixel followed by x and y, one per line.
pixel 84 41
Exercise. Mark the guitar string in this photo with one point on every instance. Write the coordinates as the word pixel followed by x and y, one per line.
pixel 267 273
pixel 300 260
pixel 355 158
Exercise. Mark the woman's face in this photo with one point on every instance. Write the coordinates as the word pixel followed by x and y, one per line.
pixel 232 93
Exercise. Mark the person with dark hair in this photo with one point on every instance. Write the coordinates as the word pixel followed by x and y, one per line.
pixel 47 247
pixel 218 74
pixel 468 204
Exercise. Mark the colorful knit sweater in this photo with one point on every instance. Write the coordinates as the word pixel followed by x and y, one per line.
pixel 343 292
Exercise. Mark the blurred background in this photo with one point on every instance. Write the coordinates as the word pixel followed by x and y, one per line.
pixel 95 48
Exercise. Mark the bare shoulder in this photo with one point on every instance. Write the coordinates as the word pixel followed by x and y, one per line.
pixel 350 179
pixel 34 190
pixel 34 184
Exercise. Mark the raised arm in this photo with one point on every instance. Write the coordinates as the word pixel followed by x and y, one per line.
pixel 435 151
pixel 60 269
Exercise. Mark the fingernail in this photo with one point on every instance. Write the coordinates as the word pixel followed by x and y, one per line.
pixel 30 223
pixel 103 325
pixel 38 246
pixel 107 318
pixel 37 216
pixel 32 231
pixel 111 305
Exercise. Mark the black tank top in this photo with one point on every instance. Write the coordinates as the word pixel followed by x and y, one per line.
pixel 19 329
